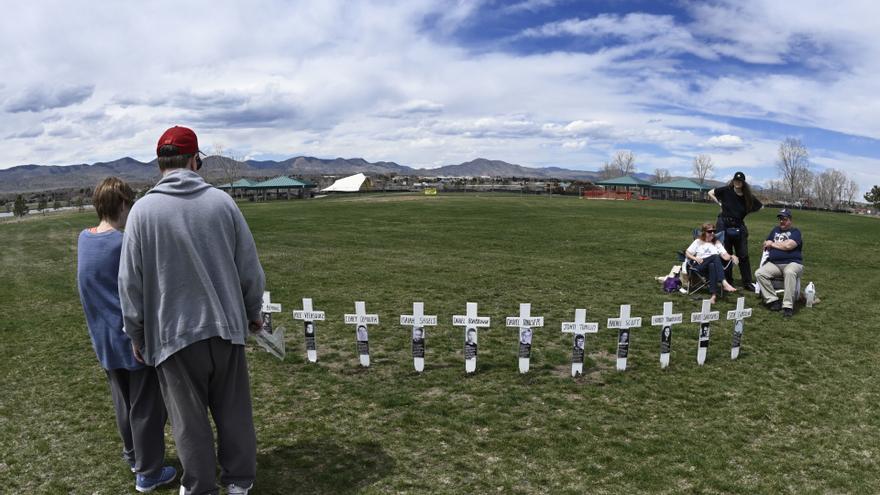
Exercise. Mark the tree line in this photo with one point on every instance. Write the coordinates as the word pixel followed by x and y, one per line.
pixel 798 182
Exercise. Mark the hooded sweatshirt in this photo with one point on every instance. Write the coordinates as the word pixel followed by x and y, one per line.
pixel 189 269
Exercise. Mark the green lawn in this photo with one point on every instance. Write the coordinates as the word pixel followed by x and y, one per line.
pixel 797 413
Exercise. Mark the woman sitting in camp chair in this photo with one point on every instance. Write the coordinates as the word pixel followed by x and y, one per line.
pixel 707 253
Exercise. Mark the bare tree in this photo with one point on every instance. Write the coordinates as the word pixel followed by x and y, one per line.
pixel 775 190
pixel 703 167
pixel 229 165
pixel 610 171
pixel 830 188
pixel 661 175
pixel 822 189
pixel 794 166
pixel 852 188
pixel 625 161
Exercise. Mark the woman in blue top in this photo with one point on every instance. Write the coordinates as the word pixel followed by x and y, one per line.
pixel 134 387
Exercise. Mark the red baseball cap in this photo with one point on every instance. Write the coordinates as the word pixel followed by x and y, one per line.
pixel 183 137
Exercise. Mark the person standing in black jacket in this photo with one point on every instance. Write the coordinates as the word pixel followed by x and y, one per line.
pixel 737 201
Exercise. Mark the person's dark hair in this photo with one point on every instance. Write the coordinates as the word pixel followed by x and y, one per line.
pixel 747 194
pixel 169 157
pixel 109 197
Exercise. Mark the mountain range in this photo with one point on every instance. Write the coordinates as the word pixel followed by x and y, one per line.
pixel 34 178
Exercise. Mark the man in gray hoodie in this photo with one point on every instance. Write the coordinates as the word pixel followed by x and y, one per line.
pixel 190 287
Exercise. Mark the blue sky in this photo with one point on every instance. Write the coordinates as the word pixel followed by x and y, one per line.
pixel 429 83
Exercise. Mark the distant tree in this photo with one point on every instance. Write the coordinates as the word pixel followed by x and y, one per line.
pixel 703 167
pixel 230 165
pixel 20 208
pixel 625 161
pixel 610 171
pixel 56 205
pixel 793 164
pixel 8 207
pixel 852 188
pixel 42 204
pixel 661 175
pixel 830 188
pixel 873 196
pixel 79 203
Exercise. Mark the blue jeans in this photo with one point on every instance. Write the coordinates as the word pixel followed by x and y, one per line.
pixel 712 268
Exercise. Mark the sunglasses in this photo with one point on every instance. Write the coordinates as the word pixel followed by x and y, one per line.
pixel 710 231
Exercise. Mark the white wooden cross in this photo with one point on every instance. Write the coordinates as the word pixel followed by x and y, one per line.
pixel 579 327
pixel 361 320
pixel 739 314
pixel 624 323
pixel 524 325
pixel 703 318
pixel 419 321
pixel 309 316
pixel 269 339
pixel 666 320
pixel 470 322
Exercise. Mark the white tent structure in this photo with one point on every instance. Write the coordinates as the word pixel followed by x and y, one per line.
pixel 352 183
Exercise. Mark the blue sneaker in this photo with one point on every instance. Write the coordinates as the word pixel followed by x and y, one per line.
pixel 144 484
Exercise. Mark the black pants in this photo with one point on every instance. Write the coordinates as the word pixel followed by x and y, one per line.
pixel 140 418
pixel 738 245
pixel 210 375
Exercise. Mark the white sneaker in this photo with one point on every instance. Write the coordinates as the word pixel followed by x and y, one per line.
pixel 234 489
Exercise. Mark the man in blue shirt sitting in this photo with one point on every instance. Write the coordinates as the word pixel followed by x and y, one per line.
pixel 785 260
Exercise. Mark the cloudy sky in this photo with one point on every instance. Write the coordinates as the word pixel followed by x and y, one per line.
pixel 429 83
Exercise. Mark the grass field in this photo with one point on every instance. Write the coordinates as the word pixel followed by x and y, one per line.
pixel 799 412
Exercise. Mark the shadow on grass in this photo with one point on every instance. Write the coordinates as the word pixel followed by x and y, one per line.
pixel 322 466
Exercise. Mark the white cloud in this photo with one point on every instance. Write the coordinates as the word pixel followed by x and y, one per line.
pixel 529 6
pixel 388 81
pixel 725 142
pixel 574 145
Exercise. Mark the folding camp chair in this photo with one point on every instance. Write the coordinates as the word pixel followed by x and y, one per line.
pixel 693 281
pixel 778 283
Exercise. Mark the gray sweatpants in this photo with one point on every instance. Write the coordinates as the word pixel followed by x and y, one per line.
pixel 210 374
pixel 140 417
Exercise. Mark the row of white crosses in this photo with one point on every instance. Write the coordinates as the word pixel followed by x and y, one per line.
pixel 524 323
